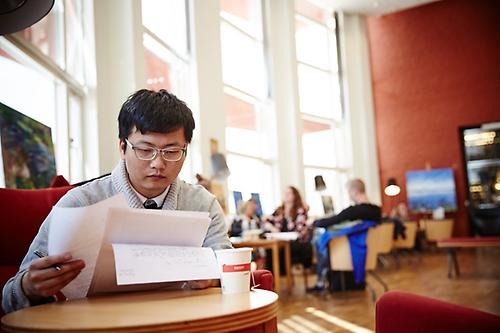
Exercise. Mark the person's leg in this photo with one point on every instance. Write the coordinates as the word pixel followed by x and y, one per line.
pixel 322 266
pixel 301 253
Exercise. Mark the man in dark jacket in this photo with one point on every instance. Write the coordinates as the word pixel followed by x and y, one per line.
pixel 361 210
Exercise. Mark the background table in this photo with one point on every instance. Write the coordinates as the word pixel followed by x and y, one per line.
pixel 274 246
pixel 161 311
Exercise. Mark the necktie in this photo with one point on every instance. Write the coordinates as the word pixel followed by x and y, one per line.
pixel 150 204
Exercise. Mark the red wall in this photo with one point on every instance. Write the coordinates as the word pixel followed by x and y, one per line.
pixel 434 68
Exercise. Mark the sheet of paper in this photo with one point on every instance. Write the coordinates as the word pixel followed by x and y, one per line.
pixel 156 227
pixel 137 264
pixel 80 231
pixel 146 227
pixel 288 236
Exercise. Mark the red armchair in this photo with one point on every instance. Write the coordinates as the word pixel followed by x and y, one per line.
pixel 263 279
pixel 404 312
pixel 22 213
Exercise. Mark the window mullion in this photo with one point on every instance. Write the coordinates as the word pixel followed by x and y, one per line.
pixel 47 63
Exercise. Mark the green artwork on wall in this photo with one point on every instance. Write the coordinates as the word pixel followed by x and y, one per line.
pixel 27 150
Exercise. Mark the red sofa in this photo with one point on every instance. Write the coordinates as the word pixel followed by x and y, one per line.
pixel 404 312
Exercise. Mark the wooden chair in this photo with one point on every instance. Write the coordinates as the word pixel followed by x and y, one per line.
pixel 340 254
pixel 411 237
pixel 385 242
pixel 406 245
pixel 436 230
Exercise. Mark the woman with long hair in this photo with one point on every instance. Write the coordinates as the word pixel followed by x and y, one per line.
pixel 291 215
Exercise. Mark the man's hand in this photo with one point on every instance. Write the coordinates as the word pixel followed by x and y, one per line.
pixel 42 279
pixel 203 284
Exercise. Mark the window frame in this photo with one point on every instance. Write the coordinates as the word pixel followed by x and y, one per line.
pixel 32 57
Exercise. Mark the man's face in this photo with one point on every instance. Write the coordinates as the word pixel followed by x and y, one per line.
pixel 151 178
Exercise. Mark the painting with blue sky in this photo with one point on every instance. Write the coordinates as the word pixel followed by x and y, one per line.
pixel 430 189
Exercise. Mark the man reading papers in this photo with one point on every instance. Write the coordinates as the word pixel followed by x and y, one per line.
pixel 155 129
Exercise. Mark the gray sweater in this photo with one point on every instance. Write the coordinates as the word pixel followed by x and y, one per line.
pixel 181 196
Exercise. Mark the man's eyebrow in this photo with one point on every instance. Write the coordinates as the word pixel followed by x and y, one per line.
pixel 174 145
pixel 169 145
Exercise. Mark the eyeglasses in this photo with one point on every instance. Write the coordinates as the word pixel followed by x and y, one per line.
pixel 173 154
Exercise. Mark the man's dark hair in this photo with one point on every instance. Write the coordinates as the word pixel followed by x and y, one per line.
pixel 151 111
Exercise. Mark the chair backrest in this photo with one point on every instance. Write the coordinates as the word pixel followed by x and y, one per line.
pixel 340 251
pixel 263 279
pixel 23 211
pixel 385 238
pixel 411 236
pixel 437 229
pixel 340 254
pixel 404 312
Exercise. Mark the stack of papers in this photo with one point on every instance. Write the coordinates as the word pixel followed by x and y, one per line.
pixel 129 249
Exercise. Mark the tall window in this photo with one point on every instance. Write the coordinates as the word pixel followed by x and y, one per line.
pixel 166 45
pixel 324 131
pixel 44 77
pixel 167 56
pixel 248 139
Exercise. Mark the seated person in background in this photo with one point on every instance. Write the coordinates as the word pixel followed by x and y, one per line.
pixel 246 220
pixel 361 210
pixel 400 212
pixel 292 216
pixel 398 215
pixel 155 129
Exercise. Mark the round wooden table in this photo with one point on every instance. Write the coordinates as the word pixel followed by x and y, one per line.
pixel 160 311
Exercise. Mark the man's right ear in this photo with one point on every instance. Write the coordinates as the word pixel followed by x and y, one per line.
pixel 122 146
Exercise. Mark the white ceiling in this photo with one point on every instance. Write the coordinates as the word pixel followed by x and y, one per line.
pixel 370 7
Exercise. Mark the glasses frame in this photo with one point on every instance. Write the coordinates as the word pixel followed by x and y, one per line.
pixel 157 151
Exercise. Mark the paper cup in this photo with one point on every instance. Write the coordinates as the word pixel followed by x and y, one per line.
pixel 234 266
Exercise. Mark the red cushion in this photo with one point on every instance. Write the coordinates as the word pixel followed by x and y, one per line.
pixel 59 181
pixel 403 312
pixel 264 279
pixel 23 211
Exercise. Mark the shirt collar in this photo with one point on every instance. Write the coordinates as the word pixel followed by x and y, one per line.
pixel 158 199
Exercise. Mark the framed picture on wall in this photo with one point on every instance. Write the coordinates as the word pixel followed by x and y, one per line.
pixel 27 150
pixel 430 189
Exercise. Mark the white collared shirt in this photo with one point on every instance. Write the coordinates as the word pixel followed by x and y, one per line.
pixel 160 199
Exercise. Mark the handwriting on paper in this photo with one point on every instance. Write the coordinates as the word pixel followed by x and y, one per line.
pixel 136 263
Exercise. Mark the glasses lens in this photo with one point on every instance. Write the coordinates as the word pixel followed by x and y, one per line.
pixel 145 153
pixel 172 155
